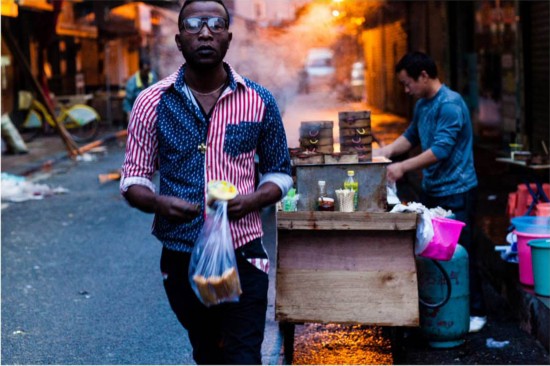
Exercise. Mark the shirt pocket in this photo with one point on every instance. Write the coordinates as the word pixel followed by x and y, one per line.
pixel 241 138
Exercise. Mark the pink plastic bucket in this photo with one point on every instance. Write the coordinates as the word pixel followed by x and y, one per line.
pixel 524 256
pixel 443 244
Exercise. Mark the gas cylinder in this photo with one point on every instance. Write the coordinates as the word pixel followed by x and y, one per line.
pixel 443 287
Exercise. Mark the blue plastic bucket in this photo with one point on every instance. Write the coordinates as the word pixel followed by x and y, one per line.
pixel 532 224
pixel 540 255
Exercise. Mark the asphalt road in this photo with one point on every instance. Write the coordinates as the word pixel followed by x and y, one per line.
pixel 81 281
pixel 80 277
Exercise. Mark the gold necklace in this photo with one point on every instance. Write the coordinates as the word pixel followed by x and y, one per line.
pixel 209 93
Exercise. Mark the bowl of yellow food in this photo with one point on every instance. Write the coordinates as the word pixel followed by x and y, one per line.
pixel 221 190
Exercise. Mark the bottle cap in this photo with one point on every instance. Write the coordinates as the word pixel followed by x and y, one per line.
pixel 351 173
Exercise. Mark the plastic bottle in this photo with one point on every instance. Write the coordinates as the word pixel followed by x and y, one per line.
pixel 289 202
pixel 352 184
pixel 325 203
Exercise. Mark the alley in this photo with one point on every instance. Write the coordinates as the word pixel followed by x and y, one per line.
pixel 80 279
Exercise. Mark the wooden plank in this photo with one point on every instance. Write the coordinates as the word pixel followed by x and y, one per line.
pixel 360 251
pixel 385 298
pixel 316 220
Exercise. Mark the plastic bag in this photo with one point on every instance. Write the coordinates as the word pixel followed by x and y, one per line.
pixel 213 269
pixel 424 229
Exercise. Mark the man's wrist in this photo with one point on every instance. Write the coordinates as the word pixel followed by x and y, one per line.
pixel 404 166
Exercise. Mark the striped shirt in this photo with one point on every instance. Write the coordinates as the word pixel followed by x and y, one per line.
pixel 169 132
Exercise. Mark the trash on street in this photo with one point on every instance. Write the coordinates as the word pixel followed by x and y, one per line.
pixel 18 189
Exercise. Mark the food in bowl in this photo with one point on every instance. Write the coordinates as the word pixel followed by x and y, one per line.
pixel 221 190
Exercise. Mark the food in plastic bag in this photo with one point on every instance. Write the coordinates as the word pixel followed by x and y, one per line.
pixel 213 288
pixel 213 269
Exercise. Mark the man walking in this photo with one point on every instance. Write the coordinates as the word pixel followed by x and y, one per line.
pixel 206 122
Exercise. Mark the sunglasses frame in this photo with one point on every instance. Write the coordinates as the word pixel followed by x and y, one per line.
pixel 204 21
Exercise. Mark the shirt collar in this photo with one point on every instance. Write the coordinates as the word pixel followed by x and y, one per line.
pixel 235 79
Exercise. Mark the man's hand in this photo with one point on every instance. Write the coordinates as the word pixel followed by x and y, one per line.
pixel 394 172
pixel 378 152
pixel 176 209
pixel 240 206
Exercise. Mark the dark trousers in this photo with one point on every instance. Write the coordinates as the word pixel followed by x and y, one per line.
pixel 463 206
pixel 229 333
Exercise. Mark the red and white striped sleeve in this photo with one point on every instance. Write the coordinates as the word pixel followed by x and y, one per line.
pixel 141 159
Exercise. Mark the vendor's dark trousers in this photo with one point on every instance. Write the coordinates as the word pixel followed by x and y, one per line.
pixel 229 333
pixel 463 206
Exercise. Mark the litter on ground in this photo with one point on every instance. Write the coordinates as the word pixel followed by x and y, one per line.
pixel 18 189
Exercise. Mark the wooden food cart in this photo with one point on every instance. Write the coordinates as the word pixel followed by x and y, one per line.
pixel 348 268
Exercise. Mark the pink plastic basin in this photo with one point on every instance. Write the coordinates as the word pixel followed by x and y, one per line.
pixel 446 234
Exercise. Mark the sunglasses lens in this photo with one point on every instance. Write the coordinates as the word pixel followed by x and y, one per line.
pixel 194 25
pixel 216 25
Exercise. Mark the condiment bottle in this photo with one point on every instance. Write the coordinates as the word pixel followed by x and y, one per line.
pixel 324 203
pixel 351 184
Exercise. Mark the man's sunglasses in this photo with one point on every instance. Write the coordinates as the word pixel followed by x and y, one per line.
pixel 194 25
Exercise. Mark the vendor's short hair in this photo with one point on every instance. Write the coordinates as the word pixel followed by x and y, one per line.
pixel 416 62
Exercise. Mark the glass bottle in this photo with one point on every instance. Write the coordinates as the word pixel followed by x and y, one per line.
pixel 351 184
pixel 325 203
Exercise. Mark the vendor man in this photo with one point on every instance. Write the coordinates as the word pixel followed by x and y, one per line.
pixel 442 127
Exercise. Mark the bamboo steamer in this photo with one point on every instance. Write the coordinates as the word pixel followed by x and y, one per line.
pixel 316 136
pixel 356 134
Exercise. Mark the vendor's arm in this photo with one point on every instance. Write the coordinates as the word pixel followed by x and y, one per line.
pixel 400 146
pixel 396 171
pixel 403 143
pixel 274 166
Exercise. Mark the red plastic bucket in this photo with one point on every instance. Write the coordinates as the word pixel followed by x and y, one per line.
pixel 543 209
pixel 524 256
pixel 443 244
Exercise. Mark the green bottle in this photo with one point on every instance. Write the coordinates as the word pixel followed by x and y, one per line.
pixel 351 183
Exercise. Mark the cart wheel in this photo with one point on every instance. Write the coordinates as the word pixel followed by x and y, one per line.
pixel 288 341
pixel 396 335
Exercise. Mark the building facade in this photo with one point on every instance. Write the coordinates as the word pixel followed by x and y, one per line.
pixel 495 53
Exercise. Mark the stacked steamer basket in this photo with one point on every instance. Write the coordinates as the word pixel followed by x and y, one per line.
pixel 316 136
pixel 355 134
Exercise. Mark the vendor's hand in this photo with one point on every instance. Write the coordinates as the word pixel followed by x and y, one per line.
pixel 241 206
pixel 377 152
pixel 176 209
pixel 394 172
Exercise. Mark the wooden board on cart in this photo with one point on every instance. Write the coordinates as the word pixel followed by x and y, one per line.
pixel 335 267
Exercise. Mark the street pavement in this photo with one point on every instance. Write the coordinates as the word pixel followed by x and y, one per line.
pixel 80 277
